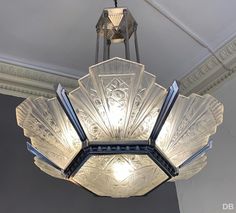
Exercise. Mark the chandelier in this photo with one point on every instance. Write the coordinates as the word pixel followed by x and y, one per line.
pixel 119 134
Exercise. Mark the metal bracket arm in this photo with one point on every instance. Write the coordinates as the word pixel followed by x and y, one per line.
pixel 168 104
pixel 70 112
pixel 35 152
pixel 199 153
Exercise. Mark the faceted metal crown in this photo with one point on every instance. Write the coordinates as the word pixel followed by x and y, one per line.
pixel 112 24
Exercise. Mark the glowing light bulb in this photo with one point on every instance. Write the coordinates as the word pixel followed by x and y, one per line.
pixel 122 170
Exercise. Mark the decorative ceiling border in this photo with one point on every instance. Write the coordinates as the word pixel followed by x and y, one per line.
pixel 23 82
pixel 211 74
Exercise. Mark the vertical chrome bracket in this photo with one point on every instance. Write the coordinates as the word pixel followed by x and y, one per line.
pixel 36 153
pixel 136 44
pixel 126 35
pixel 70 112
pixel 198 154
pixel 167 105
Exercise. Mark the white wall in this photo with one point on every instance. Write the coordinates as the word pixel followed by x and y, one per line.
pixel 216 183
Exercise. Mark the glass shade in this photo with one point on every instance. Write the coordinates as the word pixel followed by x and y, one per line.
pixel 118 102
pixel 50 170
pixel 121 175
pixel 188 127
pixel 191 169
pixel 49 129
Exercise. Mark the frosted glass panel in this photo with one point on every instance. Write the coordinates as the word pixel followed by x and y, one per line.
pixel 188 127
pixel 50 170
pixel 117 83
pixel 117 100
pixel 121 175
pixel 141 127
pixel 49 129
pixel 191 169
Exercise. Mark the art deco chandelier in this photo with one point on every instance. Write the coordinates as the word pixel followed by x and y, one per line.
pixel 119 133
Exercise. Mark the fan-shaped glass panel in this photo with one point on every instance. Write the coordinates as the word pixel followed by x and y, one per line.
pixel 49 129
pixel 188 127
pixel 121 175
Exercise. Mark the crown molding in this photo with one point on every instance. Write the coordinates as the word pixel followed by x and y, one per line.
pixel 23 82
pixel 210 74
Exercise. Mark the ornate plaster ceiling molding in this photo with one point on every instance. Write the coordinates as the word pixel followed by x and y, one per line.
pixel 23 82
pixel 211 74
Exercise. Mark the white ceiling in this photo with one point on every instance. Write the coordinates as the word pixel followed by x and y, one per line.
pixel 60 35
